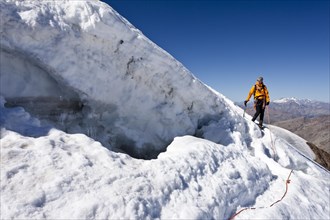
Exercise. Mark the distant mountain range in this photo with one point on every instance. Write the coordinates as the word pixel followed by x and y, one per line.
pixel 288 108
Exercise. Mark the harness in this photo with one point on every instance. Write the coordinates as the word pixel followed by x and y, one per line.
pixel 256 98
pixel 255 88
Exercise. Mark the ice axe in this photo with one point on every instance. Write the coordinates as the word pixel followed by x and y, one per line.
pixel 244 108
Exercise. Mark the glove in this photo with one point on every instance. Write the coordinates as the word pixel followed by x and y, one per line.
pixel 267 103
pixel 245 102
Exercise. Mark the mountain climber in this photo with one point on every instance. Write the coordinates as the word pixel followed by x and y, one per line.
pixel 261 99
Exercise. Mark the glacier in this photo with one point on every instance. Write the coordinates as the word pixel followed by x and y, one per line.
pixel 98 122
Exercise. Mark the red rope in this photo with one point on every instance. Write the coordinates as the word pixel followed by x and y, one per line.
pixel 237 213
pixel 252 208
pixel 286 189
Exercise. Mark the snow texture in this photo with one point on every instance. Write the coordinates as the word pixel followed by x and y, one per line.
pixel 130 88
pixel 114 90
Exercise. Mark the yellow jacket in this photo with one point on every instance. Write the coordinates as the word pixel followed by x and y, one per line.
pixel 259 91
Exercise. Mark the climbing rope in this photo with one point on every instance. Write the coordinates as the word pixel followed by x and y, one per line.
pixel 287 182
pixel 270 134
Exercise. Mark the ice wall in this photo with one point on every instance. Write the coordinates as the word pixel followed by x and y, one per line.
pixel 135 96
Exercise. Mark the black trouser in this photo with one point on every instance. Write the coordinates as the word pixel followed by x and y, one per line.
pixel 260 110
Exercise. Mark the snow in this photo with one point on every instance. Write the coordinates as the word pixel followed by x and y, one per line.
pixel 71 176
pixel 285 100
pixel 294 100
pixel 137 99
pixel 293 140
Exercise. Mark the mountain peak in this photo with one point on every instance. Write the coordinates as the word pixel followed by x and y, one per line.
pixel 292 99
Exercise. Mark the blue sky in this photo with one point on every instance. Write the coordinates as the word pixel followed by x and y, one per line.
pixel 228 44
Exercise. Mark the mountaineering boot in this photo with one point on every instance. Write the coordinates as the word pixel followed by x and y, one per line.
pixel 260 124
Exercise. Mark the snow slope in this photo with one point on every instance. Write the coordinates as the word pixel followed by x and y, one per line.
pixel 71 176
pixel 137 98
